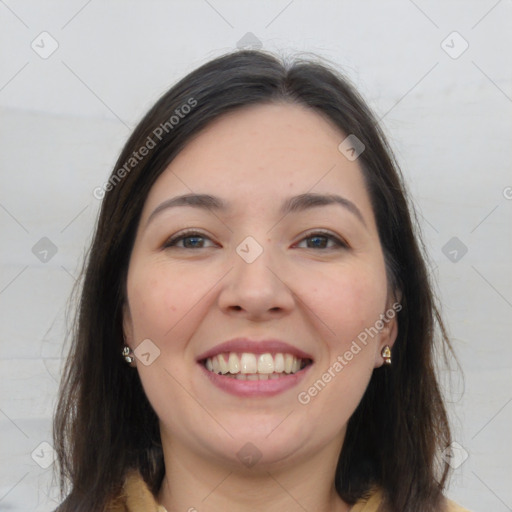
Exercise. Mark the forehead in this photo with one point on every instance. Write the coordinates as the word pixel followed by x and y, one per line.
pixel 260 154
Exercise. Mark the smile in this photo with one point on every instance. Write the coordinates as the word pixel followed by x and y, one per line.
pixel 249 366
pixel 253 368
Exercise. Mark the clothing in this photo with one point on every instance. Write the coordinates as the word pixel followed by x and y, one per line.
pixel 373 502
pixel 137 497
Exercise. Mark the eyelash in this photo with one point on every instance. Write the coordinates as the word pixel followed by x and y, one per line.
pixel 340 243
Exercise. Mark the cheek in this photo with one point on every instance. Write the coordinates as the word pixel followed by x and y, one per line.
pixel 346 300
pixel 160 298
pixel 159 303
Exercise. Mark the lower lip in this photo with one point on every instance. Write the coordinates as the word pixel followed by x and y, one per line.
pixel 255 388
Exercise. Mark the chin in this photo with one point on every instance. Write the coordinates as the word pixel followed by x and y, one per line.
pixel 266 441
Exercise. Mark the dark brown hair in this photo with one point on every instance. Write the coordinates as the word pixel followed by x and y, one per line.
pixel 104 424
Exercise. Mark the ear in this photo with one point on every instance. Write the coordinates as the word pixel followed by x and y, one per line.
pixel 128 331
pixel 389 332
pixel 127 325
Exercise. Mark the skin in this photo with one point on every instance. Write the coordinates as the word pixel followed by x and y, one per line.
pixel 187 300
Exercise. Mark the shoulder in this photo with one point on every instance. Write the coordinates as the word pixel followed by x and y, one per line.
pixel 370 503
pixel 135 496
pixel 375 498
pixel 453 507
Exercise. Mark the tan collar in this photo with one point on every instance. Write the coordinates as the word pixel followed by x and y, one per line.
pixel 136 497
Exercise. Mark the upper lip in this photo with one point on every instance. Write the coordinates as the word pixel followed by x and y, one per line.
pixel 241 345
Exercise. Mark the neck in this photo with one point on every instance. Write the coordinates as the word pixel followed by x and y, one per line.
pixel 194 483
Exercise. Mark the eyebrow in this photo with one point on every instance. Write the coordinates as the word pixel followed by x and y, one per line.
pixel 293 204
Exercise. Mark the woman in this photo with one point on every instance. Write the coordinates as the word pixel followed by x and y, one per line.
pixel 256 325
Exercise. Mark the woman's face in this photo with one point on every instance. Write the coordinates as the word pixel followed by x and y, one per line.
pixel 284 264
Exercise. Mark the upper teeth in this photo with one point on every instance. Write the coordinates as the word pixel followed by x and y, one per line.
pixel 253 363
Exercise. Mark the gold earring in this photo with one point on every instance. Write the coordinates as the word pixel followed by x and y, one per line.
pixel 127 354
pixel 386 354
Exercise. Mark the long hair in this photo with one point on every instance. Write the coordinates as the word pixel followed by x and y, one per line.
pixel 104 424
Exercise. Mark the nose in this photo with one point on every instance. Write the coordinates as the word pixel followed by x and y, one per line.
pixel 256 290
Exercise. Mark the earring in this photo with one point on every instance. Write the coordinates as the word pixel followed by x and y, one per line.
pixel 386 354
pixel 127 354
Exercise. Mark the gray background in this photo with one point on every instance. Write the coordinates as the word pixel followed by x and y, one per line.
pixel 65 115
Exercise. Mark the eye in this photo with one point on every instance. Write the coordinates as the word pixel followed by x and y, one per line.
pixel 191 240
pixel 321 240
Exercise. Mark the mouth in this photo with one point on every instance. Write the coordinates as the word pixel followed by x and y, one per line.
pixel 252 367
